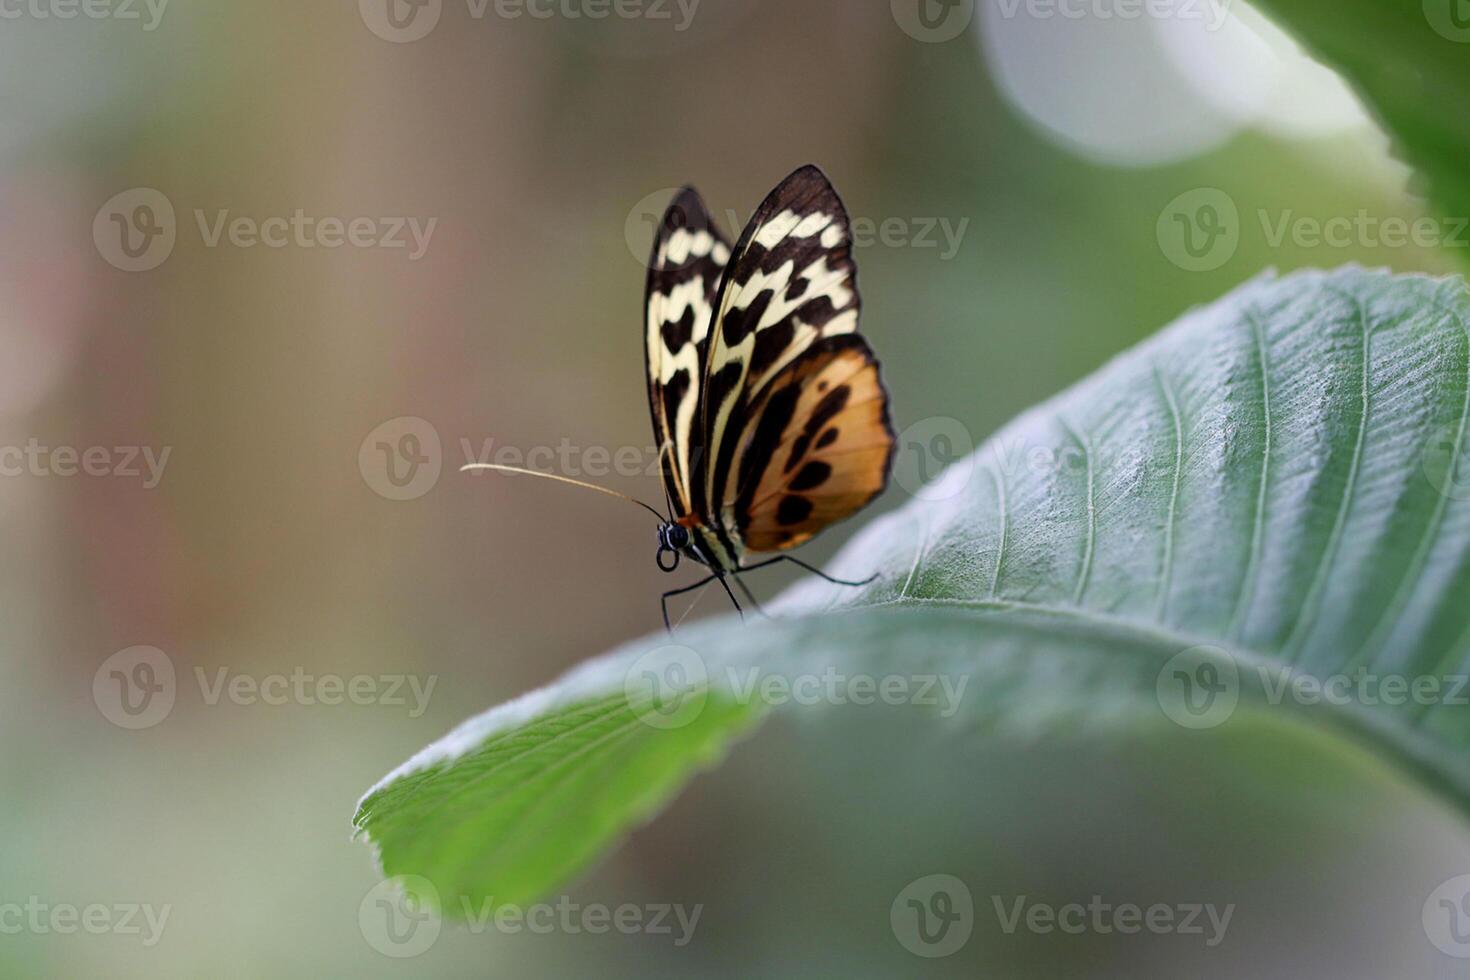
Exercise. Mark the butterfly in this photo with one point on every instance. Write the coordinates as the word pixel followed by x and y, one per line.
pixel 769 412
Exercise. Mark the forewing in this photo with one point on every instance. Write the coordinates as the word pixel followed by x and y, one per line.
pixel 790 283
pixel 684 273
pixel 817 447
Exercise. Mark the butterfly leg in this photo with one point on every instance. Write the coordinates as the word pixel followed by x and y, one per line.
pixel 811 568
pixel 732 596
pixel 664 599
pixel 749 596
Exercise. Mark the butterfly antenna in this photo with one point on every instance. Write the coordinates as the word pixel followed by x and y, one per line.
pixel 561 479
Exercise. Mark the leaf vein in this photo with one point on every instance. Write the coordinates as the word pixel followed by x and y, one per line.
pixel 1166 570
pixel 1307 620
pixel 1258 520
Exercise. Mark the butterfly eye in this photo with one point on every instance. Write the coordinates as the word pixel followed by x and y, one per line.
pixel 678 537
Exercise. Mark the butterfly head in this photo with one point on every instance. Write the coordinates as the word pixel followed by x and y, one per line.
pixel 673 539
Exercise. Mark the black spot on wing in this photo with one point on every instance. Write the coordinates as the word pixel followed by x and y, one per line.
pixel 677 333
pixel 830 405
pixel 827 438
pixel 769 344
pixel 812 475
pixel 834 402
pixel 793 510
pixel 739 324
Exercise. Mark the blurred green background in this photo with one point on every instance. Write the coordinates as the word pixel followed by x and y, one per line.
pixel 1052 148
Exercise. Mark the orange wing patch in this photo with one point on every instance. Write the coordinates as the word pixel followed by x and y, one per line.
pixel 816 448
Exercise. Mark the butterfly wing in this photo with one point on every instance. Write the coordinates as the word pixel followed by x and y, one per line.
pixel 817 446
pixel 791 282
pixel 684 273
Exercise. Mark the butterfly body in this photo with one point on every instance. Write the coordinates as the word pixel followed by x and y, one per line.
pixel 771 419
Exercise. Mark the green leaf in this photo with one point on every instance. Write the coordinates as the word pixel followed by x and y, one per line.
pixel 1409 61
pixel 1274 489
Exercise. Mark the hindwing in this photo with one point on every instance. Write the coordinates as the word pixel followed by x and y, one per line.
pixel 817 446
